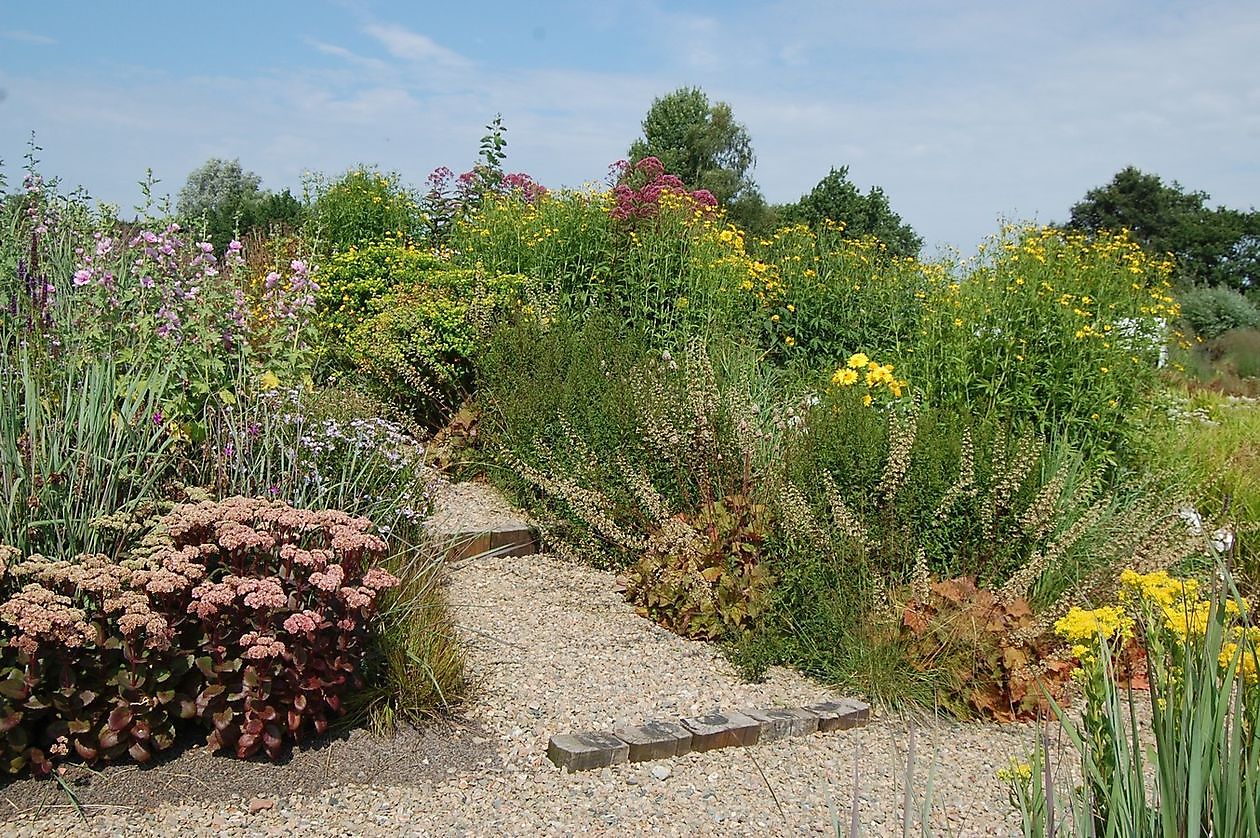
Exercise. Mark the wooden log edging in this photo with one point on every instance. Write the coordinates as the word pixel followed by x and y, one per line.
pixel 664 739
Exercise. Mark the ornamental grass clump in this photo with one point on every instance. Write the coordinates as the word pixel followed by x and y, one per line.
pixel 246 617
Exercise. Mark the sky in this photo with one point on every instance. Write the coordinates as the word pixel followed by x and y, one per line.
pixel 966 113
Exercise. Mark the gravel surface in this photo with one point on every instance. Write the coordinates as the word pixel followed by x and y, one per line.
pixel 468 508
pixel 552 648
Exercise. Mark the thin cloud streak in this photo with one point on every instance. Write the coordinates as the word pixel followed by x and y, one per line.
pixel 27 37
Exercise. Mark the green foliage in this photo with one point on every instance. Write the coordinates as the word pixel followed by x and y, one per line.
pixel 420 346
pixel 227 200
pixel 835 198
pixel 217 186
pixel 699 142
pixel 1213 246
pixel 563 240
pixel 1238 352
pixel 78 440
pixel 353 281
pixel 414 667
pixel 362 207
pixel 711 582
pixel 1212 311
pixel 662 278
pixel 1052 329
pixel 1209 448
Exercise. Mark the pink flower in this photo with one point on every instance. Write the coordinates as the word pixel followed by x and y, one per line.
pixel 378 579
pixel 359 597
pixel 302 622
pixel 266 594
pixel 330 579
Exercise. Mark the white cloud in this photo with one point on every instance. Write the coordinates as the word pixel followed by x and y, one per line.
pixel 959 114
pixel 401 42
pixel 27 37
pixel 346 55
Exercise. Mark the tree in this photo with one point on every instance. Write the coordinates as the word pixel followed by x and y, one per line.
pixel 835 198
pixel 703 145
pixel 1212 246
pixel 214 186
pixel 229 201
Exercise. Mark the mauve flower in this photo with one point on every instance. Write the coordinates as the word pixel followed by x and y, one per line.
pixel 378 579
pixel 267 594
pixel 360 597
pixel 82 277
pixel 302 622
pixel 330 579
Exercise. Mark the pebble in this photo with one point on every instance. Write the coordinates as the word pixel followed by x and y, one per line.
pixel 660 772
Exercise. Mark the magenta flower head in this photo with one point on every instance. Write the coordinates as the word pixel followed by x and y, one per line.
pixel 651 167
pixel 704 197
pixel 158 418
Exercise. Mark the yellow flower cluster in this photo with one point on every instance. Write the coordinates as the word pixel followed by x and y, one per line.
pixel 1016 771
pixel 1168 602
pixel 1084 628
pixel 1244 646
pixel 1177 602
pixel 873 374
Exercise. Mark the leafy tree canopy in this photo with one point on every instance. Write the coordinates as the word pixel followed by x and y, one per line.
pixel 215 185
pixel 228 199
pixel 837 199
pixel 702 144
pixel 1218 246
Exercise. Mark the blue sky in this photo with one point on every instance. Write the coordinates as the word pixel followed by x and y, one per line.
pixel 964 112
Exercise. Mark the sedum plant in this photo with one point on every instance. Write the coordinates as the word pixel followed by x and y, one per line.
pixel 246 617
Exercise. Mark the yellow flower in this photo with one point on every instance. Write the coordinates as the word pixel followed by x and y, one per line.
pixel 844 377
pixel 1016 771
pixel 269 380
pixel 858 360
pixel 866 400
pixel 789 340
pixel 1084 628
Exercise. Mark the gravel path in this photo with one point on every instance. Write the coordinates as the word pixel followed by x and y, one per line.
pixel 553 647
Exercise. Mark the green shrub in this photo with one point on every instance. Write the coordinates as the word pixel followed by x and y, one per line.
pixel 420 347
pixel 872 502
pixel 353 281
pixel 1238 352
pixel 1211 311
pixel 364 206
